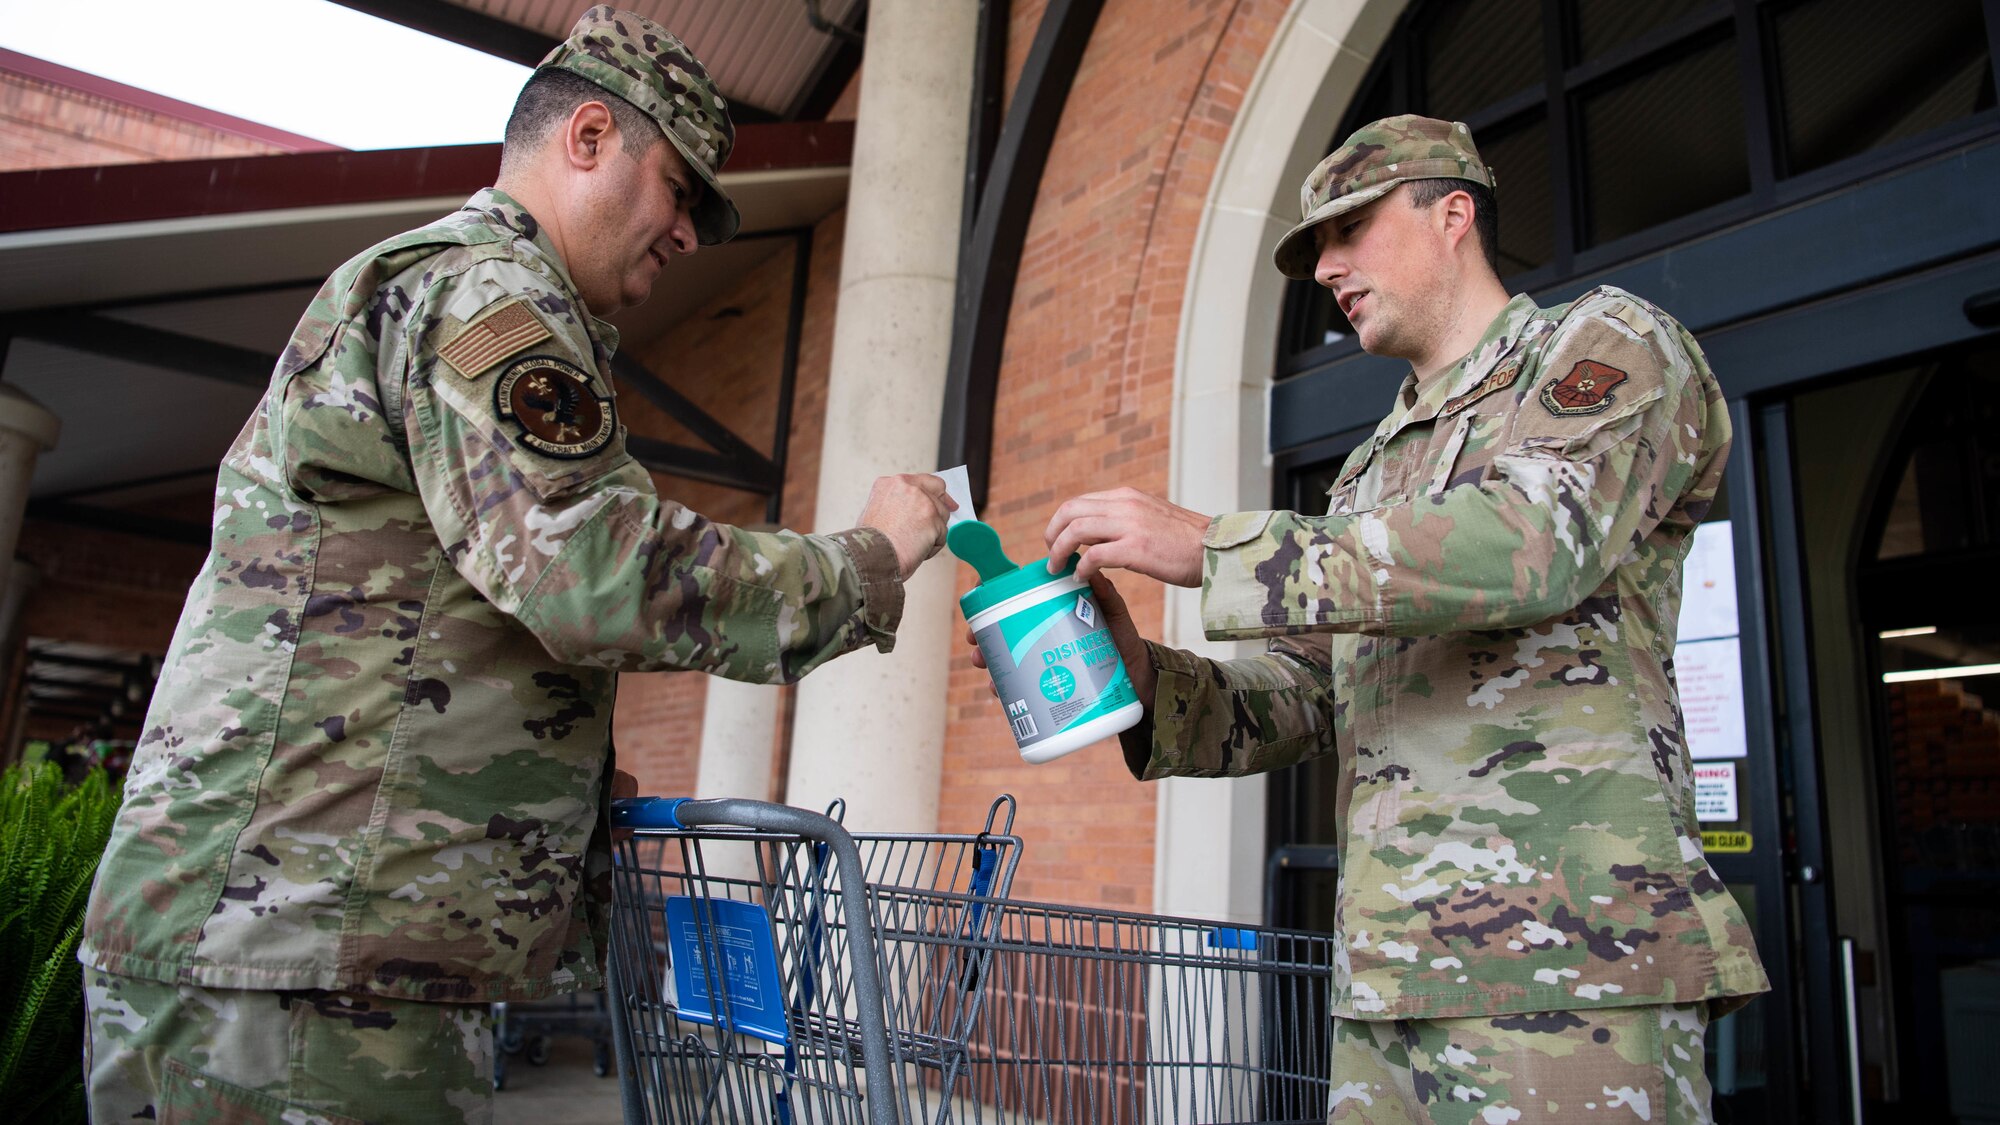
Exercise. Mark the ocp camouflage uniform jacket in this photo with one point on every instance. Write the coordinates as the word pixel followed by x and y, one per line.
pixel 378 752
pixel 1482 629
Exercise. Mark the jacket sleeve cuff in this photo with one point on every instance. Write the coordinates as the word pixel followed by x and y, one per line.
pixel 881 580
pixel 1158 747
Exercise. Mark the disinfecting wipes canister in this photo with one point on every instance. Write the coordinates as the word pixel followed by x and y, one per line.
pixel 1053 664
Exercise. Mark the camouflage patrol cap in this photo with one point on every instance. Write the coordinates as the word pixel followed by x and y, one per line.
pixel 1380 155
pixel 640 61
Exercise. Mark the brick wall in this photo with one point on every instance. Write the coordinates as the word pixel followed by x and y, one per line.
pixel 1086 385
pixel 1084 398
pixel 727 358
pixel 51 117
pixel 105 587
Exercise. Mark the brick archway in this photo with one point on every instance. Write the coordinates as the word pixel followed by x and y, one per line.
pixel 1223 361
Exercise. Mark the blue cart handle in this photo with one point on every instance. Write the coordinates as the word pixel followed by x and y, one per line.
pixel 647 812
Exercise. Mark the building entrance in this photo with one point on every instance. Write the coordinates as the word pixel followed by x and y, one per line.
pixel 1809 197
pixel 1899 504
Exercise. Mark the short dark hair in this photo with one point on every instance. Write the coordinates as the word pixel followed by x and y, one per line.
pixel 552 94
pixel 1485 211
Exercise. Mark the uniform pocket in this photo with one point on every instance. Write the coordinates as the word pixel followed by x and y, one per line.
pixel 1393 471
pixel 190 1097
pixel 1447 455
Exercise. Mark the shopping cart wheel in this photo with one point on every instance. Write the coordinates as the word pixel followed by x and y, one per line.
pixel 539 1050
pixel 600 1060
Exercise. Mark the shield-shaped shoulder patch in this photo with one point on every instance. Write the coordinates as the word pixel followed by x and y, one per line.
pixel 1585 390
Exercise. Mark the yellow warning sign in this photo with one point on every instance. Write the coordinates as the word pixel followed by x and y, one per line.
pixel 1727 843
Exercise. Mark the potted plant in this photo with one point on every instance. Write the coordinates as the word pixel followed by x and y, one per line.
pixel 51 837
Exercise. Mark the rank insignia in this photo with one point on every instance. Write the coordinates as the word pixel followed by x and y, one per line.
pixel 492 336
pixel 555 406
pixel 1585 390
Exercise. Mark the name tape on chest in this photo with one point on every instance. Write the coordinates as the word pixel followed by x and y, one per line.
pixel 1501 376
pixel 555 406
pixel 492 336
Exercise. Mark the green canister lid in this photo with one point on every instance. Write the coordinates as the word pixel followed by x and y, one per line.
pixel 1015 582
pixel 999 578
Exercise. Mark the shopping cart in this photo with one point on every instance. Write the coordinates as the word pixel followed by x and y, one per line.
pixel 767 966
pixel 747 982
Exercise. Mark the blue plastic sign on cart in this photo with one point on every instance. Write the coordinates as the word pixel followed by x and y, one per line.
pixel 739 992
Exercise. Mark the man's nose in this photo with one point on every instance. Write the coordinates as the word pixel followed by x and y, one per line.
pixel 1332 267
pixel 682 234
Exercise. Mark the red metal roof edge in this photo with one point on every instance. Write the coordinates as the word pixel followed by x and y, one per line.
pixel 51 198
pixel 55 74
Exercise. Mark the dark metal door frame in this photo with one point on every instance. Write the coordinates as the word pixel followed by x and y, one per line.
pixel 1806 1052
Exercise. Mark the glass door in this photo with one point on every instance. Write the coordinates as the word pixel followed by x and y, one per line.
pixel 1930 627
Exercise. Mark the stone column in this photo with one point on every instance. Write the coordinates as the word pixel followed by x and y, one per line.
pixel 869 727
pixel 26 429
pixel 738 724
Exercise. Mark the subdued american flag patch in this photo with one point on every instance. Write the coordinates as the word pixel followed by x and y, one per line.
pixel 493 336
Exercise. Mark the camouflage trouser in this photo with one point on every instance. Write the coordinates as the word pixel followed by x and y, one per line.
pixel 1605 1064
pixel 175 1053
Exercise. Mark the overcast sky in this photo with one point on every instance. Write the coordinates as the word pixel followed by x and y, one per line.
pixel 306 66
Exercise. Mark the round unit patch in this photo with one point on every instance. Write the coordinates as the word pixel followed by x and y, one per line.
pixel 555 405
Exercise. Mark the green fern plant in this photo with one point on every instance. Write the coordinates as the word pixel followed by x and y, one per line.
pixel 51 838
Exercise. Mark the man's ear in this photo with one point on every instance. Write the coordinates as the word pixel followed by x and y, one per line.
pixel 1456 214
pixel 589 135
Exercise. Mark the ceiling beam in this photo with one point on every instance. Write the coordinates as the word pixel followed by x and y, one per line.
pixel 140 667
pixel 204 473
pixel 143 344
pixel 751 463
pixel 80 691
pixel 112 519
pixel 695 464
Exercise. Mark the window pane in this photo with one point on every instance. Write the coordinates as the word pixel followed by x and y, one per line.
pixel 1948 491
pixel 1854 81
pixel 1604 24
pixel 1664 145
pixel 1520 163
pixel 1313 318
pixel 1477 52
pixel 1309 488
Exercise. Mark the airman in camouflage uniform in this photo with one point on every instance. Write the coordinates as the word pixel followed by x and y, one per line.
pixel 370 795
pixel 1481 630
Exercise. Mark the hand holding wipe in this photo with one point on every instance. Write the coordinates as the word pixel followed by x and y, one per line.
pixel 1044 640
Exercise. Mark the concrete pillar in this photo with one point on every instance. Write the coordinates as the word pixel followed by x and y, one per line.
pixel 738 725
pixel 870 728
pixel 26 429
pixel 20 582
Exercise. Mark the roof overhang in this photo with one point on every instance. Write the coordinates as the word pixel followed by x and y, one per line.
pixel 225 253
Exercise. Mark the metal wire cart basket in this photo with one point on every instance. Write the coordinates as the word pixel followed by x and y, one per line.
pixel 768 966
